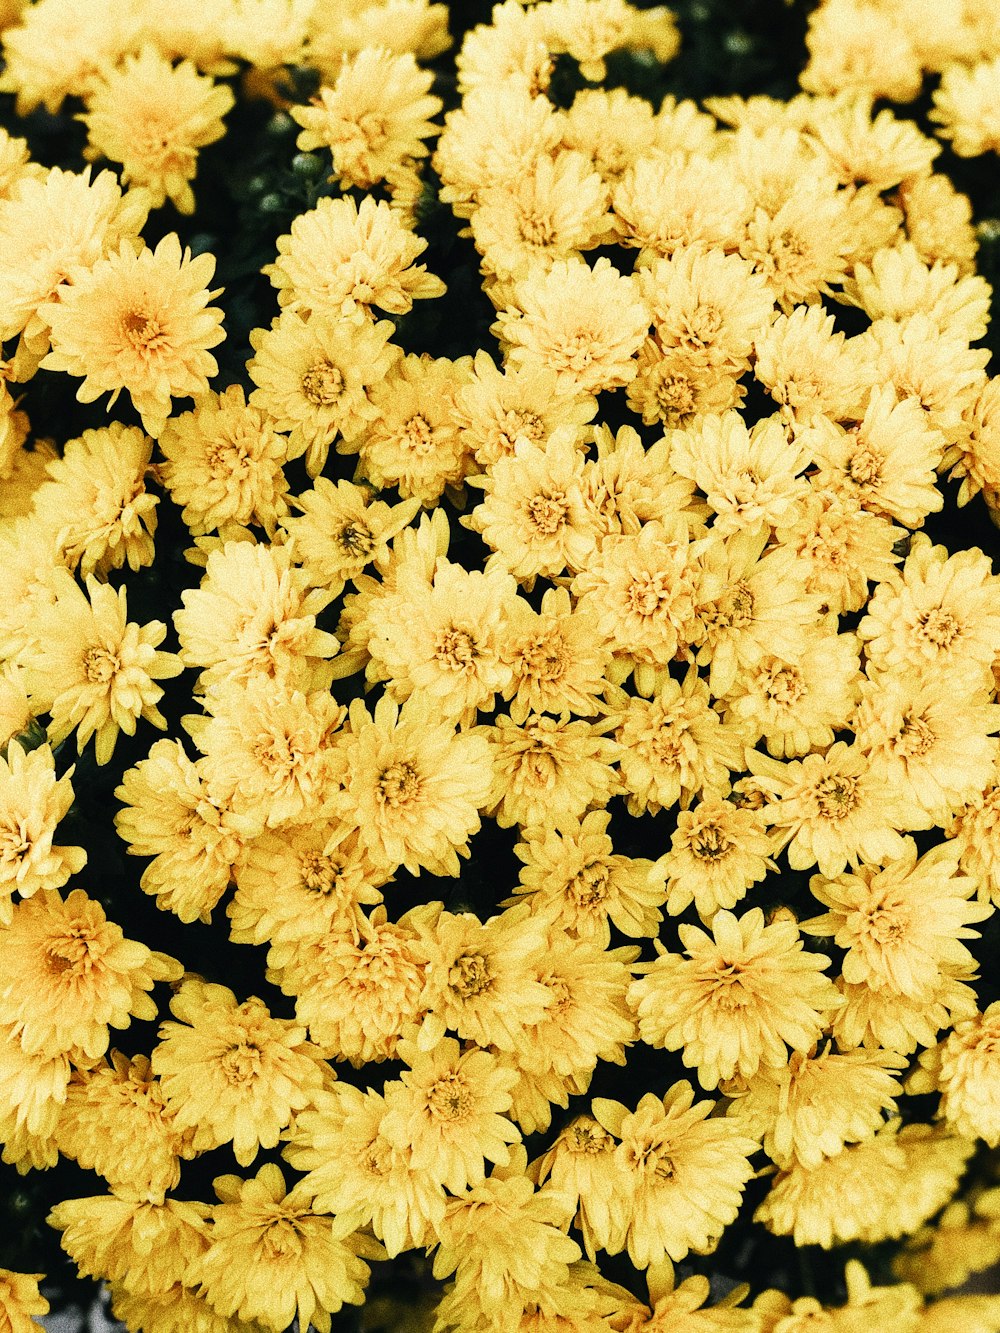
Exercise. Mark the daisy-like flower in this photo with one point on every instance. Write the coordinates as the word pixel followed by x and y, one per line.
pixel 54 225
pixel 481 977
pixel 413 786
pixel 935 751
pixel 271 751
pixel 169 1311
pixel 974 828
pixel 831 809
pixel 152 117
pixel 94 670
pixel 222 464
pixel 96 504
pixel 809 369
pixel 964 1069
pixel 33 1089
pixel 900 924
pixel 717 852
pixel 686 1172
pixel 898 283
pixel 447 1111
pixel 938 618
pixel 965 107
pixel 313 378
pixel 374 117
pixel 341 259
pixel 742 994
pixel 674 388
pixel 579 883
pixel 666 201
pixel 585 323
pixel 272 1255
pixel 557 658
pixel 802 248
pixel 975 456
pixel 67 973
pixel 511 50
pixel 355 1173
pixel 548 769
pixel 169 814
pixel 140 322
pixel 534 515
pixel 20 1300
pixel 821 1100
pixel 673 744
pixel 232 1073
pixel 583 1164
pixel 254 615
pixel 358 984
pixel 116 1122
pixel 340 528
pixel 629 484
pixel 32 802
pixel 864 149
pixel 497 407
pixel 886 1018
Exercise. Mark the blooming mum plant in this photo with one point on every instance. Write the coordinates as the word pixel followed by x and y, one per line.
pixel 499 652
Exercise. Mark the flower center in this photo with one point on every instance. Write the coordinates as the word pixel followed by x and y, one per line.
pixel 456 649
pixel 448 1098
pixel 544 657
pixel 590 1139
pixel 673 394
pixel 74 951
pixel 319 873
pixel 100 666
pixel 589 886
pixel 710 843
pixel 938 627
pixel 548 512
pixel 836 797
pixel 469 975
pixel 865 466
pixel 356 539
pixel 517 424
pixel 322 384
pixel 915 738
pixel 645 594
pixel 241 1064
pixel 143 332
pixel 537 229
pixel 397 785
pixel 417 435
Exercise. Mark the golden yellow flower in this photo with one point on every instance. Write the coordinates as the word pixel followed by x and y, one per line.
pixel 15 708
pixel 19 1300
pixel 899 283
pixel 548 768
pixel 665 201
pixel 176 1310
pixel 67 973
pixel 742 994
pixel 512 49
pixel 577 881
pixel 585 323
pixel 717 852
pixel 52 226
pixel 685 1172
pixel 152 117
pixel 964 1067
pixel 272 1255
pixel 870 149
pixel 140 322
pixel 32 1095
pixel 94 670
pixel 376 116
pixel 32 802
pixel 974 829
pixel 556 657
pixel 588 32
pixel 975 456
pixel 965 107
pixel 313 379
pixel 629 484
pixel 447 1111
pixel 852 47
pixel 116 1122
pixel 96 504
pixel 342 260
pixel 875 1018
pixel 962 1241
pixel 673 386
pixel 222 464
pixel 583 1164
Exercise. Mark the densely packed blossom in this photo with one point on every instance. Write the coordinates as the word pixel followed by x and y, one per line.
pixel 572 850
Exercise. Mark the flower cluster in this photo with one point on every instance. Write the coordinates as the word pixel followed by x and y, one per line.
pixel 633 584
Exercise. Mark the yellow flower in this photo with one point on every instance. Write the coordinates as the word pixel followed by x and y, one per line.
pixel 612 128
pixel 866 148
pixel 888 1018
pixel 975 456
pixel 899 283
pixel 342 260
pixel 512 49
pixel 139 322
pixel 831 809
pixel 52 226
pixel 152 117
pixel 19 1300
pixel 271 751
pixel 584 323
pixel 665 201
pixel 254 615
pixel 851 46
pixel 340 529
pixel 15 707
pixel 965 107
pixel 32 802
pixel 176 1310
pixel 821 1100
pixel 222 464
pixel 231 1072
pixel 741 995
pixel 717 852
pixel 33 1089
pixel 534 515
pixel 359 984
pixel 682 1309
pixel 548 769
pixel 273 1256
pixel 974 830
pixel 583 1164
pixel 116 1122
pixel 964 1067
pixel 556 657
pixel 807 368
pixel 685 1171
pixel 96 504
pixel 963 1240
pixel 576 880
pixel 413 786
pixel 900 924
pixel 375 117
pixel 94 670
pixel 589 31
pixel 673 386
pixel 313 378
pixel 67 973
pixel 447 1111
pixel 630 485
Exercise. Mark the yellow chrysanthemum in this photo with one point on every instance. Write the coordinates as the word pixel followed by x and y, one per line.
pixel 965 107
pixel 556 656
pixel 67 974
pixel 717 853
pixel 140 322
pixel 20 1299
pixel 965 1067
pixel 152 117
pixel 32 802
pixel 741 995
